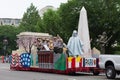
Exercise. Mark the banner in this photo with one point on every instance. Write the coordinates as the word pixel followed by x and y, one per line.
pixel 89 62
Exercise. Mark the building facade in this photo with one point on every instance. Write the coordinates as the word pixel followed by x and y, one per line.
pixel 16 22
pixel 10 21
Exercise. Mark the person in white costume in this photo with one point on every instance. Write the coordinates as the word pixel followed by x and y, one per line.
pixel 75 45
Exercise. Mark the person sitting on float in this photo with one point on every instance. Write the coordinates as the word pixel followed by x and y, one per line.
pixel 45 44
pixel 50 44
pixel 60 45
pixel 55 44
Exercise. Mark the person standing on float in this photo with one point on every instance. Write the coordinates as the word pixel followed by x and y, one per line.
pixel 75 45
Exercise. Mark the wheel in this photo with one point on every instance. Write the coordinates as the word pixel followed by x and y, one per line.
pixel 96 73
pixel 110 72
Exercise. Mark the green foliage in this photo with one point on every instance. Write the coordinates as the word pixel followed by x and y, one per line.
pixel 10 33
pixel 51 22
pixel 117 52
pixel 30 19
pixel 103 15
pixel 39 26
pixel 116 49
pixel 69 13
pixel 28 23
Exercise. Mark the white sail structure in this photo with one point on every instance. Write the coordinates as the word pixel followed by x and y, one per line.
pixel 83 32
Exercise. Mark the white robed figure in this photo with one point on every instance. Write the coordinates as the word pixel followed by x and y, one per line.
pixel 75 45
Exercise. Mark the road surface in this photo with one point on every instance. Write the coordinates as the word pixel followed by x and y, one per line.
pixel 7 74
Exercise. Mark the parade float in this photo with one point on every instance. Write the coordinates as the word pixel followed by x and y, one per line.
pixel 34 54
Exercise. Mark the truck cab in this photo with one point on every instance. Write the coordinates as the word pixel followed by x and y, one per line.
pixel 111 64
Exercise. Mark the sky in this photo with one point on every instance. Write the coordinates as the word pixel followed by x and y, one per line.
pixel 16 8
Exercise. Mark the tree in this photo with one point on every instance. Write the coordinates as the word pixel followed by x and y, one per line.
pixel 51 22
pixel 30 19
pixel 103 16
pixel 69 13
pixel 8 32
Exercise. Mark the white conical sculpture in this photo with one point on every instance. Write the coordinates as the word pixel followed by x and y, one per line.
pixel 83 32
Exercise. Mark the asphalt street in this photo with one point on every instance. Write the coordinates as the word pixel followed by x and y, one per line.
pixel 7 74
